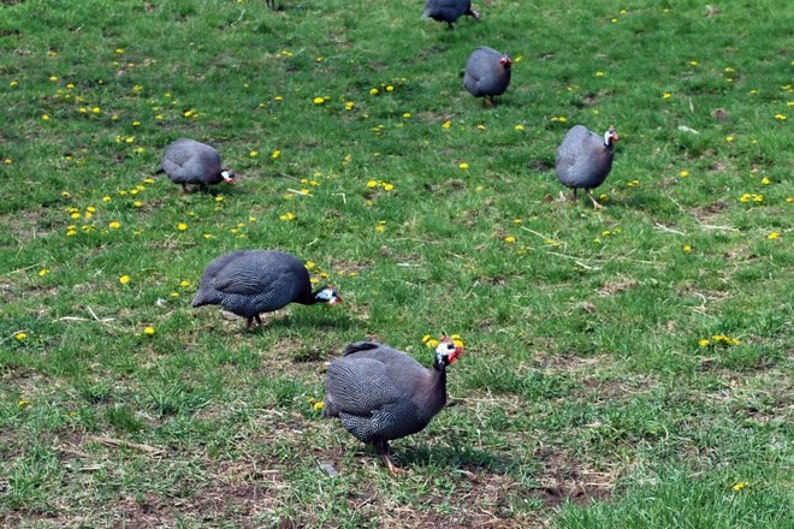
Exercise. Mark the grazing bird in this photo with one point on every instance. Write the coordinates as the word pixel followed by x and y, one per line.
pixel 191 162
pixel 250 282
pixel 449 11
pixel 487 74
pixel 381 393
pixel 584 159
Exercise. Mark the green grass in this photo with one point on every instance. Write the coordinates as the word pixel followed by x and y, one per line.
pixel 586 397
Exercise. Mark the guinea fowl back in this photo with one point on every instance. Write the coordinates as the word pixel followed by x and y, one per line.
pixel 250 282
pixel 583 160
pixel 187 161
pixel 381 393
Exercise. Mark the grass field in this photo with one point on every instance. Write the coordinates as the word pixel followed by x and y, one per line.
pixel 629 367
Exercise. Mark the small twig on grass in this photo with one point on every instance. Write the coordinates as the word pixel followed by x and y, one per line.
pixel 119 443
pixel 103 321
pixel 669 230
pixel 298 192
pixel 575 260
pixel 533 232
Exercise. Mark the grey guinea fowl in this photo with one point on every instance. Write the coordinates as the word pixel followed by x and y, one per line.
pixel 380 393
pixel 188 161
pixel 584 159
pixel 448 11
pixel 250 282
pixel 487 73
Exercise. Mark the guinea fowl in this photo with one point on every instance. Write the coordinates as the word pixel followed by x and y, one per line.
pixel 250 282
pixel 188 161
pixel 380 393
pixel 487 73
pixel 584 159
pixel 449 11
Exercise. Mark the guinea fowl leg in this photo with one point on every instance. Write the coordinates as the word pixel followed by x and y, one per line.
pixel 596 205
pixel 382 448
pixel 489 102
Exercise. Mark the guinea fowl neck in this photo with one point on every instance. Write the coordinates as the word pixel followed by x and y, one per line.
pixel 436 389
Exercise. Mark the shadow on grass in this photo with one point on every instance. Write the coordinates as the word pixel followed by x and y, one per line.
pixel 452 457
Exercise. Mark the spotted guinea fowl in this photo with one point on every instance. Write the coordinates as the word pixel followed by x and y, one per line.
pixel 448 11
pixel 584 159
pixel 487 73
pixel 250 282
pixel 380 393
pixel 188 161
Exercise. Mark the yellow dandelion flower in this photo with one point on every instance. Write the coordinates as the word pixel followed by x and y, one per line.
pixel 704 342
pixel 19 336
pixel 684 173
pixel 114 225
pixel 463 165
pixel 773 235
pixel 275 155
pixel 318 100
pixel 519 127
pixel 181 226
pixel 149 331
pixel 599 74
pixel 780 117
pixel 374 91
pixel 432 343
pixel 388 187
pixel 44 271
pixel 694 63
pixel 22 403
pixel 729 139
pixel 287 216
pixel 119 51
pixel 45 117
pixel 446 125
pixel 510 239
pixel 349 105
pixel 426 337
pixel 687 248
pixel 253 154
pixel 124 279
pixel 372 183
pixel 318 406
pixel 739 486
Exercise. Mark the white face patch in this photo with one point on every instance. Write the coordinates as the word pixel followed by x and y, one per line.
pixel 327 294
pixel 228 176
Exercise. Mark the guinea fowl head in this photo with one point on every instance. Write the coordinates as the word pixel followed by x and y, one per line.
pixel 610 136
pixel 506 62
pixel 446 352
pixel 327 295
pixel 228 176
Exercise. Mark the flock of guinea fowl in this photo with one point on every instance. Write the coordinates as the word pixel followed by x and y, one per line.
pixel 378 393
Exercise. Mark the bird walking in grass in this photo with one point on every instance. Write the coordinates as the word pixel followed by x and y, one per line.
pixel 251 282
pixel 449 11
pixel 584 159
pixel 381 394
pixel 487 74
pixel 189 162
